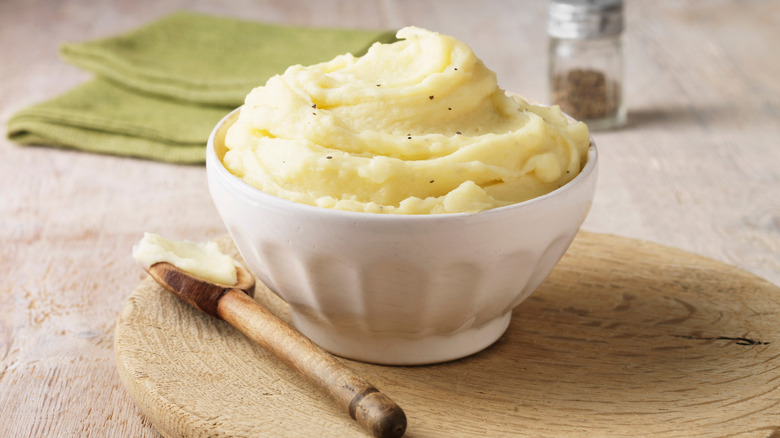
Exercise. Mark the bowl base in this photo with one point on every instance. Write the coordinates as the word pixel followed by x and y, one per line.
pixel 386 349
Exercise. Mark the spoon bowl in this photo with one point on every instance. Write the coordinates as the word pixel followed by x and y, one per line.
pixel 202 294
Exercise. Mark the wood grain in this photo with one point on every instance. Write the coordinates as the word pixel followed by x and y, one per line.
pixel 697 168
pixel 626 338
pixel 354 396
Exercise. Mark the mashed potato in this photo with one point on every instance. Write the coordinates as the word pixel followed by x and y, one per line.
pixel 418 126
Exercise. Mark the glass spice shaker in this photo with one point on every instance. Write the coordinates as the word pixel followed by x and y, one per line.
pixel 585 60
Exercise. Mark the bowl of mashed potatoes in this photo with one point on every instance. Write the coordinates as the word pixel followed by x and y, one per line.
pixel 400 202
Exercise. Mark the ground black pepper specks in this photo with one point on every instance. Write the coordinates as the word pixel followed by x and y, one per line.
pixel 586 94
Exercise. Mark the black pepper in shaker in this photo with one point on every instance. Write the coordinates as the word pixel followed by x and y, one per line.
pixel 585 64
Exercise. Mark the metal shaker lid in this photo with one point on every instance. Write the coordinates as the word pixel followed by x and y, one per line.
pixel 582 19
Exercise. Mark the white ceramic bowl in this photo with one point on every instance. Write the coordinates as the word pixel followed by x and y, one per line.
pixel 398 289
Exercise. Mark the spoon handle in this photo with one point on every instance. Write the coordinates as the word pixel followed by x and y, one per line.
pixel 370 408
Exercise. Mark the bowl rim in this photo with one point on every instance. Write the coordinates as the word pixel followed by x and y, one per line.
pixel 261 197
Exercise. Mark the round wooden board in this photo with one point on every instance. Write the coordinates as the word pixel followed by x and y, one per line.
pixel 625 338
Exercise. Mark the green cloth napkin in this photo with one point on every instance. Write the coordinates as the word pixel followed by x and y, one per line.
pixel 159 90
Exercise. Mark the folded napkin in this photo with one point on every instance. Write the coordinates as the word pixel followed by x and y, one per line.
pixel 159 90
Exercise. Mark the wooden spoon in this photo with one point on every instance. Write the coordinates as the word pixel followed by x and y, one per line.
pixel 370 408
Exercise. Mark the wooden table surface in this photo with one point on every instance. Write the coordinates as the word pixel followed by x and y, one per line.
pixel 698 168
